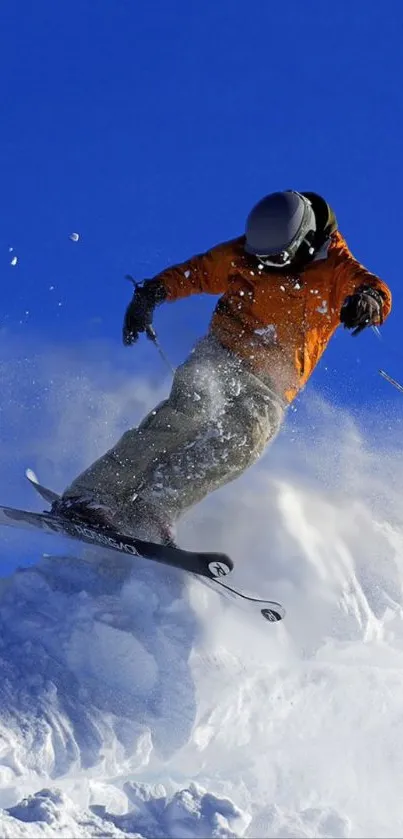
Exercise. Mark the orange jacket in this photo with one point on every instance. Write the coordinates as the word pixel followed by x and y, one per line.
pixel 279 323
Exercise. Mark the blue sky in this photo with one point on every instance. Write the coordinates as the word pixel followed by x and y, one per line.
pixel 152 128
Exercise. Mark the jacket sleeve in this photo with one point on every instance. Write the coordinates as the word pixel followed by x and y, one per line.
pixel 351 276
pixel 206 273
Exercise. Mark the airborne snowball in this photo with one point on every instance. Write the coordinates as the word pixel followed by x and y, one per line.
pixel 14 261
pixel 74 237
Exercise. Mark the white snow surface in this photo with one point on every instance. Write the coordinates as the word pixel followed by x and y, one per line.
pixel 136 702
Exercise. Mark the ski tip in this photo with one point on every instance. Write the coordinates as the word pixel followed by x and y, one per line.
pixel 31 476
pixel 45 493
pixel 274 613
pixel 221 566
pixel 218 564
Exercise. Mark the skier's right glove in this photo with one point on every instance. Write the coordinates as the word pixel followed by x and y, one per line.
pixel 362 309
pixel 139 313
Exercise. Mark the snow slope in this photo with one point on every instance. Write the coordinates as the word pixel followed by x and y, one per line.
pixel 134 701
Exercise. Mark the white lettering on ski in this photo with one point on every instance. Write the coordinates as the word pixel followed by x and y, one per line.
pixel 103 539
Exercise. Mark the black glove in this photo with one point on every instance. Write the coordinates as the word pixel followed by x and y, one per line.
pixel 364 308
pixel 139 313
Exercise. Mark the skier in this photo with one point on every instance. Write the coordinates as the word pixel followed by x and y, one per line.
pixel 285 287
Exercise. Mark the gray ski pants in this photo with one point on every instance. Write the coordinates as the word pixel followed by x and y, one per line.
pixel 216 422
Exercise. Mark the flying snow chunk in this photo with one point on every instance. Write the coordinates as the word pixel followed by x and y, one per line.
pixel 74 237
pixel 268 334
pixel 14 260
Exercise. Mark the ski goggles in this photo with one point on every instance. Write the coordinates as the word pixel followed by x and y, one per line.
pixel 275 260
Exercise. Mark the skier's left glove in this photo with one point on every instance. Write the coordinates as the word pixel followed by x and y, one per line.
pixel 361 309
pixel 139 313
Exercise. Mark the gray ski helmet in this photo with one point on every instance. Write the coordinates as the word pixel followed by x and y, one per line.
pixel 277 227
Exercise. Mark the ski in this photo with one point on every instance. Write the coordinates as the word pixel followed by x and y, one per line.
pixel 209 565
pixel 45 493
pixel 270 610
